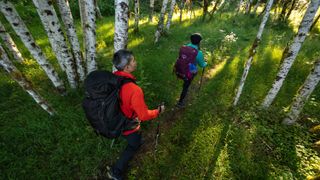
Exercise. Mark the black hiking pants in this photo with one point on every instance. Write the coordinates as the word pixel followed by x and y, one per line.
pixel 134 142
pixel 186 84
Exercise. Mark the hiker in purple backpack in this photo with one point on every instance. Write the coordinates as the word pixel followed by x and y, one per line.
pixel 190 56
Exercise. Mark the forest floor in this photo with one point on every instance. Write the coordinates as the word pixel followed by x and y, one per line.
pixel 209 139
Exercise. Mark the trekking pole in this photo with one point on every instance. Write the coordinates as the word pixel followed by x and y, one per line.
pixel 158 131
pixel 201 78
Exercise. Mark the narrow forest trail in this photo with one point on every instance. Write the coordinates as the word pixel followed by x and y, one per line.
pixel 166 121
pixel 170 117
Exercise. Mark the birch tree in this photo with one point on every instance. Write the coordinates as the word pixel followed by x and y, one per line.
pixel 136 15
pixel 22 31
pixel 151 10
pixel 303 94
pixel 11 45
pixel 160 29
pixel 90 35
pixel 82 13
pixel 121 24
pixel 253 51
pixel 67 20
pixel 291 54
pixel 15 74
pixel 57 40
pixel 169 19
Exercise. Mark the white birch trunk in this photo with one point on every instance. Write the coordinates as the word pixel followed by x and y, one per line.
pixel 90 35
pixel 253 51
pixel 292 52
pixel 82 12
pixel 303 94
pixel 151 10
pixel 136 15
pixel 83 20
pixel 173 3
pixel 57 40
pixel 256 6
pixel 67 19
pixel 22 81
pixel 121 24
pixel 161 21
pixel 5 36
pixel 22 31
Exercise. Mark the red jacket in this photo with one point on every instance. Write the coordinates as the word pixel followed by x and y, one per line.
pixel 133 105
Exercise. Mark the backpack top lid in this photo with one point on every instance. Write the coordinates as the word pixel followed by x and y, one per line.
pixel 99 84
pixel 189 53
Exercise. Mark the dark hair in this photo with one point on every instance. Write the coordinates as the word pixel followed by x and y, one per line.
pixel 122 58
pixel 196 38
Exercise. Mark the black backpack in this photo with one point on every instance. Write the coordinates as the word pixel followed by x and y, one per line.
pixel 102 104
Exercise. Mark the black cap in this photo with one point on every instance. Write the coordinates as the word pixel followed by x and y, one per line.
pixel 195 38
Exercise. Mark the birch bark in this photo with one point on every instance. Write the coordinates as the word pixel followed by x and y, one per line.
pixel 121 24
pixel 57 40
pixel 136 15
pixel 82 12
pixel 22 81
pixel 90 35
pixel 173 3
pixel 5 36
pixel 252 52
pixel 303 94
pixel 290 56
pixel 67 19
pixel 159 30
pixel 22 31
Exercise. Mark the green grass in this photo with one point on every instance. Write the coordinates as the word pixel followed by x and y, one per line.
pixel 208 140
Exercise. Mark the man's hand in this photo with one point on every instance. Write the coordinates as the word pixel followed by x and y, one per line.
pixel 161 108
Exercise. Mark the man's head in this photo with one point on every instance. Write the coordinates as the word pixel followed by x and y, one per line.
pixel 124 60
pixel 196 38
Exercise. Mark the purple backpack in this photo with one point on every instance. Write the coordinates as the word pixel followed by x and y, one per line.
pixel 187 58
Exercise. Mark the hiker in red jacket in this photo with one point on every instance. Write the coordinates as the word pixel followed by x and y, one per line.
pixel 134 107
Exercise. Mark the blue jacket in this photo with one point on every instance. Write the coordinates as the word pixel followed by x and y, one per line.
pixel 199 59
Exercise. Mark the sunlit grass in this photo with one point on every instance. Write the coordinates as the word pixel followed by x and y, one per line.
pixel 209 139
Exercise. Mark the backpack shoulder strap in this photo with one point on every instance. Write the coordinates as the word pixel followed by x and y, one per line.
pixel 123 80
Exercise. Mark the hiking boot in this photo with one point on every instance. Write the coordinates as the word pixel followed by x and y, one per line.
pixel 180 105
pixel 112 175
